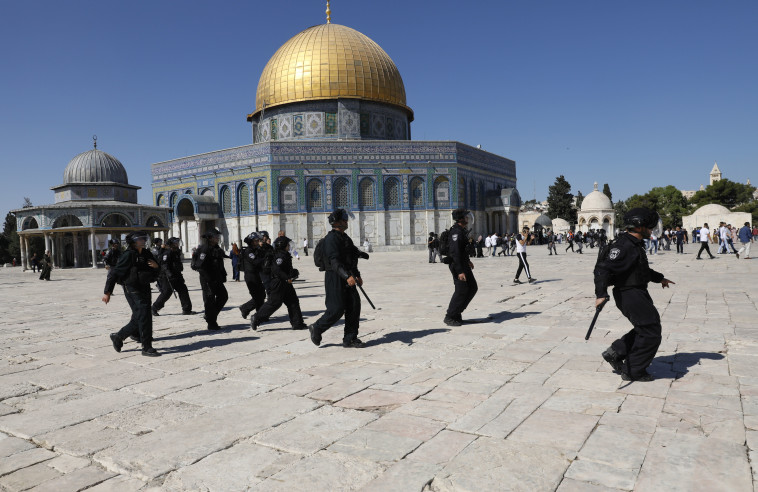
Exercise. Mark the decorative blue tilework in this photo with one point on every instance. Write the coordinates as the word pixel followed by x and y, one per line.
pixel 298 130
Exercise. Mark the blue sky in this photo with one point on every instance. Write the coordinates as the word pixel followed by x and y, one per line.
pixel 635 94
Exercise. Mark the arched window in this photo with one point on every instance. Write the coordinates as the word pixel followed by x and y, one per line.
pixel 160 200
pixel 288 195
pixel 441 192
pixel 226 200
pixel 366 194
pixel 392 193
pixel 115 219
pixel 172 201
pixel 341 194
pixel 461 192
pixel 188 191
pixel 243 198
pixel 154 221
pixel 29 223
pixel 207 192
pixel 315 196
pixel 67 221
pixel 417 193
pixel 260 196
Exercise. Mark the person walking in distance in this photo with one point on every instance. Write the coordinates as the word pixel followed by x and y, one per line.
pixel 745 236
pixel 521 241
pixel 625 266
pixel 305 246
pixel 460 267
pixel 340 262
pixel 551 243
pixel 432 245
pixel 705 236
pixel 569 241
pixel 46 266
pixel 680 237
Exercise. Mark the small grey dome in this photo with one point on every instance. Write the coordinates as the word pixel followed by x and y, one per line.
pixel 544 221
pixel 95 166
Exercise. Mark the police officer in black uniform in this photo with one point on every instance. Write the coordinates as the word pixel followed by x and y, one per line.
pixel 625 266
pixel 171 278
pixel 252 262
pixel 266 249
pixel 111 260
pixel 340 257
pixel 282 291
pixel 136 269
pixel 209 262
pixel 460 267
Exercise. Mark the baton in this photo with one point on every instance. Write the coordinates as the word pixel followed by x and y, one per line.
pixel 597 313
pixel 366 296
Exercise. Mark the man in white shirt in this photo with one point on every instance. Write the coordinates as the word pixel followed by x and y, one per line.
pixel 705 237
pixel 521 241
pixel 305 246
pixel 493 242
pixel 723 233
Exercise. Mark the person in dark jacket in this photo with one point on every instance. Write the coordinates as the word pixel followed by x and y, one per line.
pixel 251 258
pixel 625 266
pixel 266 249
pixel 135 270
pixel 172 279
pixel 46 266
pixel 340 279
pixel 111 260
pixel 460 268
pixel 282 291
pixel 209 263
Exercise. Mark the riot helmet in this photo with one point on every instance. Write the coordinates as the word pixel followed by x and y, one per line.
pixel 114 242
pixel 460 214
pixel 337 215
pixel 157 241
pixel 174 242
pixel 133 237
pixel 283 243
pixel 253 236
pixel 641 217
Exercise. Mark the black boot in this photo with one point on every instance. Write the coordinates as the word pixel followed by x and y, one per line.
pixel 117 342
pixel 613 358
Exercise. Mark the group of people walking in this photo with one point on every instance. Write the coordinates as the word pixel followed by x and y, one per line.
pixel 269 276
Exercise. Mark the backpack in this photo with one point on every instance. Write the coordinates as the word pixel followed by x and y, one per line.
pixel 445 243
pixel 318 256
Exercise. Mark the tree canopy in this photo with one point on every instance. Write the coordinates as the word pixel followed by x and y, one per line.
pixel 607 191
pixel 724 192
pixel 668 201
pixel 559 201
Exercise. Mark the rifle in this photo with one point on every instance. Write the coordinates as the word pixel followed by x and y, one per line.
pixel 597 313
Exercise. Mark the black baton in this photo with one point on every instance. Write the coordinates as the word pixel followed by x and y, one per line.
pixel 366 296
pixel 594 320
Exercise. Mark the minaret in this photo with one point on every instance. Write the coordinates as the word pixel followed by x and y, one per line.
pixel 715 173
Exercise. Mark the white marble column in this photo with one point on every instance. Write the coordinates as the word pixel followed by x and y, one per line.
pixel 76 250
pixel 54 251
pixel 24 246
pixel 47 242
pixel 92 247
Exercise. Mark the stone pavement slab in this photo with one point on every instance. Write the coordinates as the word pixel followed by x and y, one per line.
pixel 520 402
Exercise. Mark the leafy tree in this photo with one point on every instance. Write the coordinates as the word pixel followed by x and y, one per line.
pixel 668 201
pixel 27 203
pixel 607 191
pixel 579 200
pixel 751 207
pixel 619 209
pixel 559 201
pixel 10 246
pixel 724 192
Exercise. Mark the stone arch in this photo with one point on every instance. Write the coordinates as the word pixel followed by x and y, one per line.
pixel 315 198
pixel 154 221
pixel 341 193
pixel 243 198
pixel 366 194
pixel 160 200
pixel 441 192
pixel 206 192
pixel 288 195
pixel 416 192
pixel 188 191
pixel 115 219
pixel 185 209
pixel 67 220
pixel 29 223
pixel 392 193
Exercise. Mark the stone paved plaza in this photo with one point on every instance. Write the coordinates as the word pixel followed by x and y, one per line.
pixel 521 402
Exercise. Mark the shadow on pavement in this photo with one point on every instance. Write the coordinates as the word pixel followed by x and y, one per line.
pixel 204 343
pixel 508 315
pixel 407 337
pixel 677 365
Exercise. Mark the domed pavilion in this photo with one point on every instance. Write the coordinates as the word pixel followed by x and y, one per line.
pixel 331 128
pixel 712 214
pixel 597 213
pixel 94 202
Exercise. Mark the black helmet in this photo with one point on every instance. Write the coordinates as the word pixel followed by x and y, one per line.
pixel 459 214
pixel 264 234
pixel 253 236
pixel 174 241
pixel 157 241
pixel 212 233
pixel 114 241
pixel 338 214
pixel 641 217
pixel 132 237
pixel 282 242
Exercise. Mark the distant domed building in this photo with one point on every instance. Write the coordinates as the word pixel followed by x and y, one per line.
pixel 712 214
pixel 597 213
pixel 561 226
pixel 95 201
pixel 331 129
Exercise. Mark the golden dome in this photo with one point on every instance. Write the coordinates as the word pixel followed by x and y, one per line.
pixel 329 61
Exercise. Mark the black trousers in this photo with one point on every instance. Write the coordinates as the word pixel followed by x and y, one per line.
pixel 704 246
pixel 570 245
pixel 523 265
pixel 167 287
pixel 141 323
pixel 638 347
pixel 464 293
pixel 45 275
pixel 281 293
pixel 679 247
pixel 214 298
pixel 341 299
pixel 257 294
